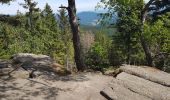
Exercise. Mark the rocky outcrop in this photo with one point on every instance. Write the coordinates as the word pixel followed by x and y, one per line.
pixel 22 57
pixel 148 73
pixel 138 83
pixel 4 64
pixel 115 91
pixel 31 60
pixel 31 65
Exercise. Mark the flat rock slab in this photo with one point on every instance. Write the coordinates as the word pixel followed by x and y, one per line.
pixel 144 87
pixel 23 57
pixel 148 73
pixel 138 83
pixel 83 86
pixel 115 91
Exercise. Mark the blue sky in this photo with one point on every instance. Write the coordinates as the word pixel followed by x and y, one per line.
pixel 82 5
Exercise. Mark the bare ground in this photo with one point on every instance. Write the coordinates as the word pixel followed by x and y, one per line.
pixel 84 86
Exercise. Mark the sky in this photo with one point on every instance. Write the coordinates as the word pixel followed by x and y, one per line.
pixel 82 5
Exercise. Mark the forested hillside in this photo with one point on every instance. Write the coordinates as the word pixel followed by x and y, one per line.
pixel 139 36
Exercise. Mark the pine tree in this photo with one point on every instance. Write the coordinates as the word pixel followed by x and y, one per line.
pixel 125 40
pixel 66 36
pixel 31 6
pixel 49 18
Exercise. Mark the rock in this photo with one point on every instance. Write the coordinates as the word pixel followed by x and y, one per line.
pixel 114 91
pixel 148 73
pixel 138 83
pixel 56 65
pixel 20 74
pixel 4 64
pixel 109 72
pixel 5 71
pixel 29 61
pixel 38 63
pixel 60 70
pixel 28 57
pixel 144 87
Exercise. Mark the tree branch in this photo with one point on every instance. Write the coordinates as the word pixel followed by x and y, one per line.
pixel 145 10
pixel 63 7
pixel 161 12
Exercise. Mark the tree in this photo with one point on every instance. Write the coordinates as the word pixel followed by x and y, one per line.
pixel 157 32
pixel 157 7
pixel 125 39
pixel 49 18
pixel 76 34
pixel 97 56
pixel 66 37
pixel 142 38
pixel 31 6
pixel 125 8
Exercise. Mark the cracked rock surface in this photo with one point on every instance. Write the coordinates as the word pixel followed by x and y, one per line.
pixel 138 83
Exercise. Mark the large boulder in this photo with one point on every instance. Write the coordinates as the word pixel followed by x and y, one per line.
pixel 38 63
pixel 144 87
pixel 27 60
pixel 115 91
pixel 138 83
pixel 148 73
pixel 28 57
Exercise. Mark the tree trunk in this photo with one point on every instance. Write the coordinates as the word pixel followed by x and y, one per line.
pixel 30 19
pixel 144 44
pixel 76 37
pixel 146 50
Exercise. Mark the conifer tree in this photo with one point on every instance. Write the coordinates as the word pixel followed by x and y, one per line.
pixel 66 36
pixel 49 18
pixel 31 6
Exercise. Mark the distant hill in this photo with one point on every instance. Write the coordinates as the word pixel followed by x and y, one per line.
pixel 91 18
pixel 88 18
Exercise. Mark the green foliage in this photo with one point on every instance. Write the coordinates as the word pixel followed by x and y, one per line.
pixel 46 37
pixel 157 33
pixel 126 47
pixel 66 37
pixel 97 56
pixel 12 40
pixel 48 18
pixel 31 14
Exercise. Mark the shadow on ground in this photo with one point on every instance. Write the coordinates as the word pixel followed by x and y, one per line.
pixel 32 88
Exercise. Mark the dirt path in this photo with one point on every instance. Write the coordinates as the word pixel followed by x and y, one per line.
pixel 84 86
